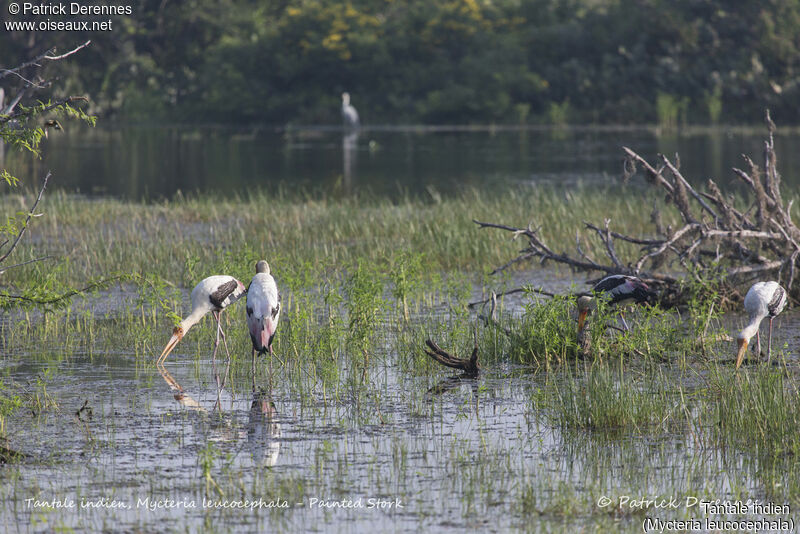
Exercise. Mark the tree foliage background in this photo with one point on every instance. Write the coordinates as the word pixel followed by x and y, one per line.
pixel 437 61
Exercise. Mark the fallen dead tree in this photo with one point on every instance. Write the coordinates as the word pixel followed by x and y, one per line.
pixel 715 240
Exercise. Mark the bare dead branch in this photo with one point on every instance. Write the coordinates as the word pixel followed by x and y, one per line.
pixel 736 244
pixel 654 176
pixel 623 237
pixel 686 186
pixel 45 55
pixel 469 365
pixel 27 220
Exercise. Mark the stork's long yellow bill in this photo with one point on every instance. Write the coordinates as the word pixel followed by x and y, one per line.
pixel 742 352
pixel 176 337
pixel 582 319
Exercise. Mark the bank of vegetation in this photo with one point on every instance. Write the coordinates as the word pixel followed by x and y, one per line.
pixel 441 61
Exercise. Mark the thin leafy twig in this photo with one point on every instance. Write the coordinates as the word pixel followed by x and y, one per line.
pixel 71 293
pixel 4 269
pixel 53 105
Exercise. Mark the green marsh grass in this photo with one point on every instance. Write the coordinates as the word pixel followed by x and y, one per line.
pixel 610 399
pixel 186 239
pixel 757 413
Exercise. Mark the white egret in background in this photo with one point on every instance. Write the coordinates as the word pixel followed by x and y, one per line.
pixel 212 294
pixel 349 113
pixel 764 299
pixel 263 310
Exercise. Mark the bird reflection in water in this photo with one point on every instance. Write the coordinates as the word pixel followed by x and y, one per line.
pixel 349 146
pixel 183 398
pixel 263 430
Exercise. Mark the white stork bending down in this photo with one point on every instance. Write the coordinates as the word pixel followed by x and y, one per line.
pixel 619 289
pixel 263 310
pixel 764 299
pixel 349 113
pixel 213 294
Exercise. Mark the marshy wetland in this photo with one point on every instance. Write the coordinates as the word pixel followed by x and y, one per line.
pixel 351 426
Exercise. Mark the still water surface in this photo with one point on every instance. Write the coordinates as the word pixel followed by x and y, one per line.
pixel 152 163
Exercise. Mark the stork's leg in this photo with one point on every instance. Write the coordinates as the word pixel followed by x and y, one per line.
pixel 769 341
pixel 622 317
pixel 214 354
pixel 225 374
pixel 221 334
pixel 758 344
pixel 254 370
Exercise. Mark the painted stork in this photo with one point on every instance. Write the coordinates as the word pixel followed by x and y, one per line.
pixel 764 299
pixel 349 113
pixel 585 306
pixel 212 294
pixel 620 290
pixel 263 310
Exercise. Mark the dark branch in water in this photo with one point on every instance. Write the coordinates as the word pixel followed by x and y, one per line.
pixel 715 240
pixel 469 365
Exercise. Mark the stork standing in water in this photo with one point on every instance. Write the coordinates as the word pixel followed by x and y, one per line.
pixel 620 290
pixel 263 311
pixel 349 113
pixel 764 299
pixel 212 294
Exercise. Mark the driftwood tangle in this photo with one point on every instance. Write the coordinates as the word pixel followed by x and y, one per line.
pixel 715 239
pixel 469 365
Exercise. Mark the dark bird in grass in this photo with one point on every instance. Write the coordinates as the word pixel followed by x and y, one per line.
pixel 213 294
pixel 263 310
pixel 620 290
pixel 763 300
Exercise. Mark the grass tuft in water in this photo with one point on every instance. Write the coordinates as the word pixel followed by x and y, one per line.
pixel 608 400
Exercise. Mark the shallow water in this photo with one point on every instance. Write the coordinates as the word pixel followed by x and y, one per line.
pixel 476 453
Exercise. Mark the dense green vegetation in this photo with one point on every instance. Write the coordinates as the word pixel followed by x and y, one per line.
pixel 186 239
pixel 438 61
